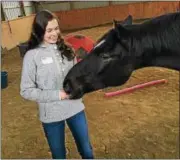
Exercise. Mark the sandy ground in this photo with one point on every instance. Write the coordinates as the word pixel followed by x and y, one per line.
pixel 142 124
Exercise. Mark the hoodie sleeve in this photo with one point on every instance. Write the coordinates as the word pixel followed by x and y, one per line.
pixel 28 86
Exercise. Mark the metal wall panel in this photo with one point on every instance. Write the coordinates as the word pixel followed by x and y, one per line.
pixel 89 4
pixel 123 2
pixel 68 5
pixel 28 7
pixel 55 6
pixel 11 10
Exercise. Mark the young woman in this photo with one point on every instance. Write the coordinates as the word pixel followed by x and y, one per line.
pixel 45 66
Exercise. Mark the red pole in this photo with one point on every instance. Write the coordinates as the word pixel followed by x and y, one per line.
pixel 133 88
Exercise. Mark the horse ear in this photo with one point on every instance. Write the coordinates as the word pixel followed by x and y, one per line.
pixel 128 20
pixel 121 31
pixel 120 27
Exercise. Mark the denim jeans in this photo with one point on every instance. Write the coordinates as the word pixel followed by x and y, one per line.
pixel 55 134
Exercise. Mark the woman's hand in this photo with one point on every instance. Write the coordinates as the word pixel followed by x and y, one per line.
pixel 63 95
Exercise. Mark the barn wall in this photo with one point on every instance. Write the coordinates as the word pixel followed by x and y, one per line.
pixel 55 5
pixel 28 7
pixel 15 32
pixel 123 2
pixel 76 19
pixel 82 18
pixel 73 5
pixel 12 9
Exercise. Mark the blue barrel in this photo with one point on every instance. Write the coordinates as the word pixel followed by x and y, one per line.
pixel 4 79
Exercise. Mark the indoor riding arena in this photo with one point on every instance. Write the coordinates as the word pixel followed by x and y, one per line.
pixel 140 124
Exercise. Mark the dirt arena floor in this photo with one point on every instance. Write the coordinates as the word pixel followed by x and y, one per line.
pixel 142 124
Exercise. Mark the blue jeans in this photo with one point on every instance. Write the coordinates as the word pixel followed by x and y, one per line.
pixel 55 134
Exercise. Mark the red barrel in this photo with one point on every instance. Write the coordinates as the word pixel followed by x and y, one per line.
pixel 82 44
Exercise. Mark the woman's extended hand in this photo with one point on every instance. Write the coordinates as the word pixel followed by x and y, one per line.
pixel 63 95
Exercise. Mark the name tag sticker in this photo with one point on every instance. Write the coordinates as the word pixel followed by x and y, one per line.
pixel 46 60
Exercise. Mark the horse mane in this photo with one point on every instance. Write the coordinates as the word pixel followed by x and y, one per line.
pixel 157 34
pixel 154 35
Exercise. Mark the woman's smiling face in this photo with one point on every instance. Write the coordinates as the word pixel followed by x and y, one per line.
pixel 52 32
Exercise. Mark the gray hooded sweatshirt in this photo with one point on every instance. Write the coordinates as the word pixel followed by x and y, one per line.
pixel 42 78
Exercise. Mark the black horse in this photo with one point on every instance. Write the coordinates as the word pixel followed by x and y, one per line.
pixel 123 49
